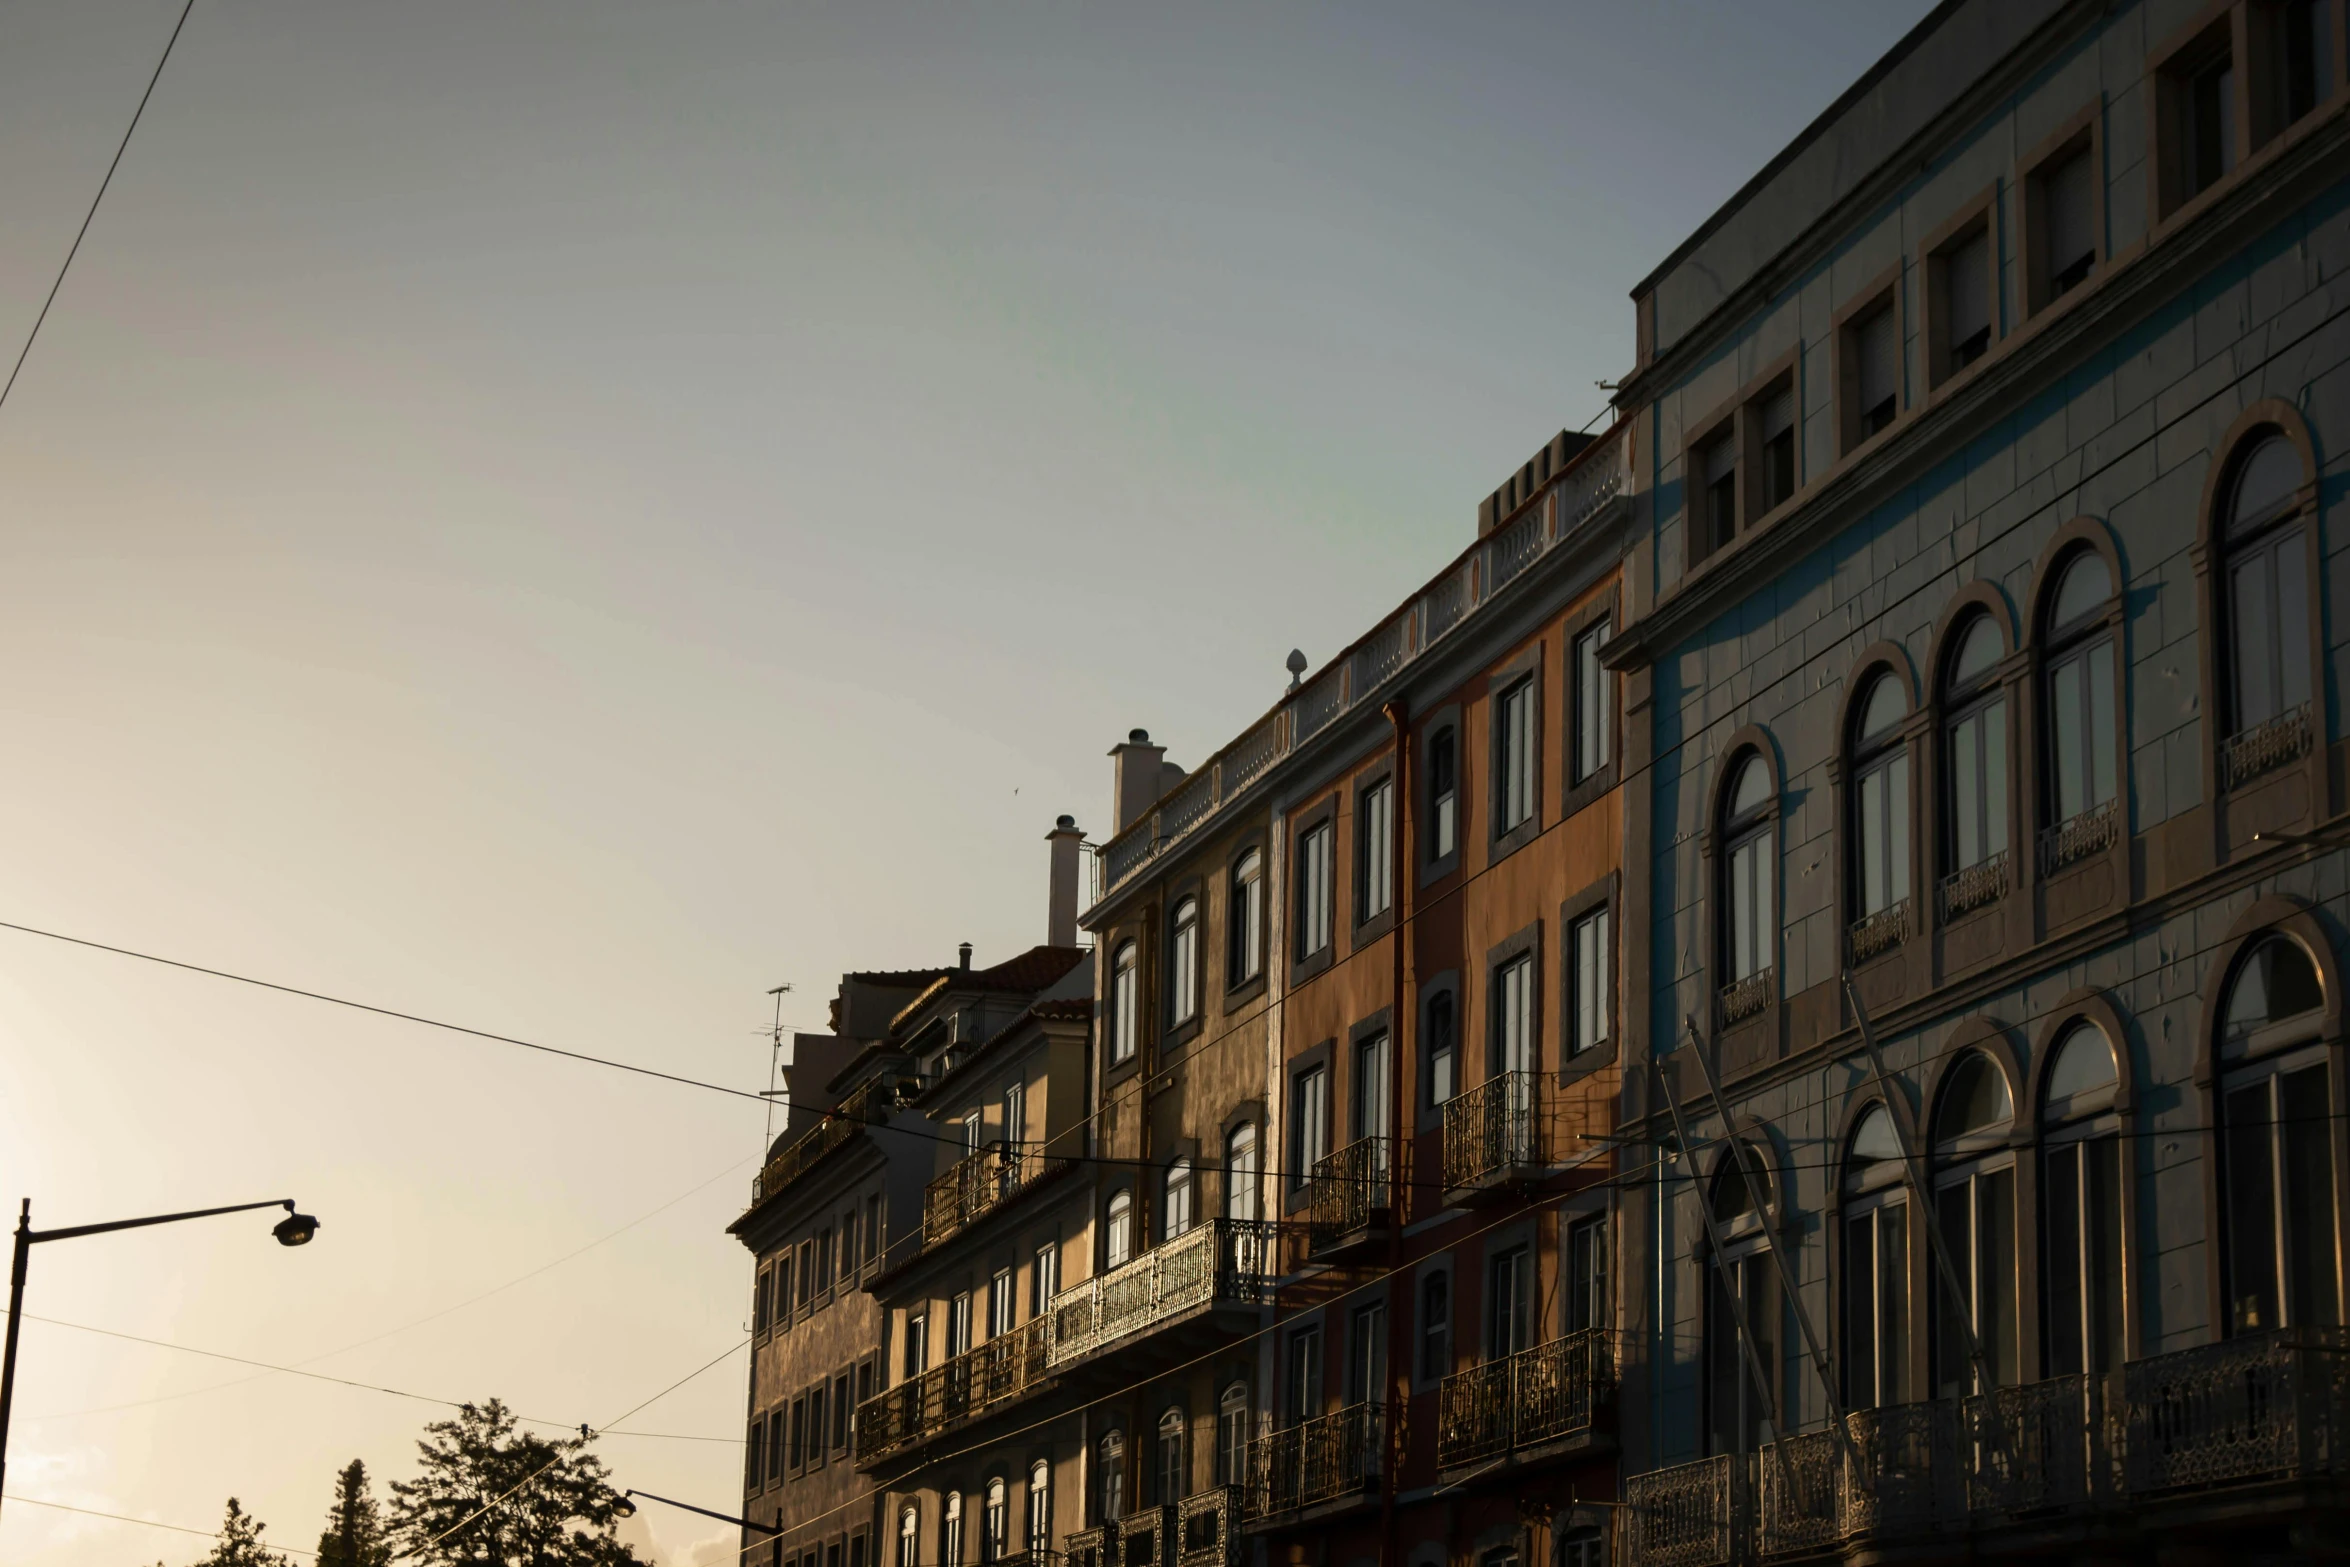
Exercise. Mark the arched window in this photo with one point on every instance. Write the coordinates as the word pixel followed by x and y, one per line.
pixel 2277 1139
pixel 1244 953
pixel 1173 1480
pixel 1183 962
pixel 1177 1210
pixel 1118 1230
pixel 1880 819
pixel 1876 1266
pixel 950 1531
pixel 995 1534
pixel 2082 771
pixel 909 1537
pixel 1740 1289
pixel 1040 1507
pixel 1111 1469
pixel 1124 1025
pixel 1974 1205
pixel 2263 530
pixel 1232 1428
pixel 1749 914
pixel 2081 1235
pixel 1974 792
pixel 1240 1172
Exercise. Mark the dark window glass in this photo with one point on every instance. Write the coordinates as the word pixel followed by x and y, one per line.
pixel 1443 793
pixel 1443 1048
pixel 1748 856
pixel 1977 749
pixel 1435 1326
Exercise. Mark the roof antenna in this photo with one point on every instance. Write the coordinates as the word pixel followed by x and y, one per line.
pixel 774 1061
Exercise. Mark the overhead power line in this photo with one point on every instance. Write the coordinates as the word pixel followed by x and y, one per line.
pixel 76 248
pixel 152 1523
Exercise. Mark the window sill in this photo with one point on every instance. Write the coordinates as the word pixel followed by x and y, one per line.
pixel 1375 927
pixel 1313 963
pixel 1246 991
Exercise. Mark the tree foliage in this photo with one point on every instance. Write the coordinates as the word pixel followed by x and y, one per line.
pixel 240 1542
pixel 488 1494
pixel 354 1533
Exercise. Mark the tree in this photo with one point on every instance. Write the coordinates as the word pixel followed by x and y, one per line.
pixel 488 1494
pixel 354 1532
pixel 240 1542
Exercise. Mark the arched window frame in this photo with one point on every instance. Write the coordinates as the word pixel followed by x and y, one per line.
pixel 1186 930
pixel 1741 1000
pixel 1743 1273
pixel 1244 1197
pixel 1125 1031
pixel 1891 757
pixel 1982 1164
pixel 2069 654
pixel 1110 1477
pixel 2057 1127
pixel 2240 761
pixel 909 1536
pixel 1120 1230
pixel 1040 1506
pixel 950 1530
pixel 1233 1431
pixel 1244 919
pixel 2216 1073
pixel 1179 1204
pixel 1873 1219
pixel 1171 1465
pixel 995 1521
pixel 1987 704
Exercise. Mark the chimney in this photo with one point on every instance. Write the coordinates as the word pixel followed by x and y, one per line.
pixel 1060 909
pixel 964 952
pixel 1140 777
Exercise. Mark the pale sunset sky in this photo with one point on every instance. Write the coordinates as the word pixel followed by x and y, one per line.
pixel 563 516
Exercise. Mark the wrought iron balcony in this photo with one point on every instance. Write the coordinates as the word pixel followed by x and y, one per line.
pixel 1523 1400
pixel 2266 1406
pixel 1744 998
pixel 1006 1367
pixel 1983 883
pixel 1686 1516
pixel 1222 1262
pixel 1325 1459
pixel 1145 1537
pixel 1210 1527
pixel 1025 1559
pixel 2264 748
pixel 848 1120
pixel 1090 1547
pixel 978 1183
pixel 1349 1190
pixel 1880 932
pixel 2076 838
pixel 1494 1129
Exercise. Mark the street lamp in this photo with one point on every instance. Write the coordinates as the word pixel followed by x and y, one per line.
pixel 625 1506
pixel 295 1229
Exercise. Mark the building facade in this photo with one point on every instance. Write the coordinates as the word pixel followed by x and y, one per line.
pixel 1985 1161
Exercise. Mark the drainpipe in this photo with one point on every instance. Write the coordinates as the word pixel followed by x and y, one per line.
pixel 1400 867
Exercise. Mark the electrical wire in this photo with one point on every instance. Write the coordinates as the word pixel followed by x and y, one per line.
pixel 76 248
pixel 152 1523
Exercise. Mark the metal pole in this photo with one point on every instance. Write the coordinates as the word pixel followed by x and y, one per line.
pixel 16 1267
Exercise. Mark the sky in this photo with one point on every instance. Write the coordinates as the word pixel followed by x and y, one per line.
pixel 562 517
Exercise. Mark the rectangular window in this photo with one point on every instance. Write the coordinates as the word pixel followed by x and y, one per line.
pixel 2302 55
pixel 1305 1373
pixel 1774 419
pixel 999 1303
pixel 840 1411
pixel 1509 1306
pixel 1435 1327
pixel 1513 1016
pixel 1872 345
pixel 2195 109
pixel 1043 1278
pixel 1589 978
pixel 1366 1369
pixel 778 1464
pixel 816 1426
pixel 1586 1262
pixel 799 1432
pixel 1884 834
pixel 1958 277
pixel 760 1293
pixel 1513 722
pixel 917 1345
pixel 755 1468
pixel 1375 852
pixel 868 1372
pixel 1717 494
pixel 958 1324
pixel 1443 793
pixel 2060 222
pixel 1594 703
pixel 824 1262
pixel 807 1272
pixel 780 1311
pixel 1309 1121
pixel 1314 890
pixel 1373 1085
pixel 1442 1040
pixel 1015 1111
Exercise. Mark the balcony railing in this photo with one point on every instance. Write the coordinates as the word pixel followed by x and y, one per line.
pixel 1743 998
pixel 1145 1537
pixel 1984 882
pixel 849 1119
pixel 2077 837
pixel 1882 931
pixel 1685 1516
pixel 1320 1460
pixel 1090 1547
pixel 1221 1262
pixel 1004 1368
pixel 2264 1406
pixel 1210 1526
pixel 1494 1128
pixel 2264 748
pixel 978 1183
pixel 1350 1186
pixel 1570 497
pixel 1537 1395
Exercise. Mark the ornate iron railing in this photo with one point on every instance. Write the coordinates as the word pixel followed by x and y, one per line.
pixel 844 1122
pixel 1004 1368
pixel 1090 1547
pixel 1145 1537
pixel 1800 1489
pixel 1685 1516
pixel 2041 1447
pixel 1038 1558
pixel 1318 1460
pixel 1591 478
pixel 1909 1481
pixel 978 1183
pixel 1494 1128
pixel 1210 1529
pixel 2077 837
pixel 2261 1406
pixel 1882 931
pixel 1522 1400
pixel 1348 1187
pixel 2263 748
pixel 1743 998
pixel 1224 1261
pixel 1982 883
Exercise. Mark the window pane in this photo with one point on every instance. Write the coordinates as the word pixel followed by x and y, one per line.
pixel 1994 781
pixel 2292 619
pixel 1966 792
pixel 1742 861
pixel 2253 597
pixel 1995 1197
pixel 2251 1205
pixel 1893 1303
pixel 2072 238
pixel 2305 1111
pixel 2098 706
pixel 2101 1210
pixel 2072 763
pixel 2064 1260
pixel 1896 776
pixel 1955 1213
pixel 1860 1312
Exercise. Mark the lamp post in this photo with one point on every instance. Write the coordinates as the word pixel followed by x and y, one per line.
pixel 295 1229
pixel 626 1508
